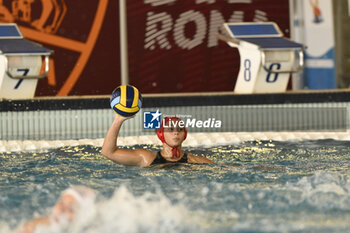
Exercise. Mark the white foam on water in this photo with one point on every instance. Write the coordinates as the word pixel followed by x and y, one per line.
pixel 319 193
pixel 193 140
pixel 4 228
pixel 322 190
pixel 125 212
pixel 151 212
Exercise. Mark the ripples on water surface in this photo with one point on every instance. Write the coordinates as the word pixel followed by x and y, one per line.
pixel 253 187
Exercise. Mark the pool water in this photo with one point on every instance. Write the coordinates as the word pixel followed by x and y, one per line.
pixel 257 186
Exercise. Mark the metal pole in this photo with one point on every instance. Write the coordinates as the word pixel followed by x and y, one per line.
pixel 296 21
pixel 124 69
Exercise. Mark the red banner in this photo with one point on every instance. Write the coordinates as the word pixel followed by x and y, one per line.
pixel 172 44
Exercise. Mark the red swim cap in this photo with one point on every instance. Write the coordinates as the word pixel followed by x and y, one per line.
pixel 160 134
pixel 160 131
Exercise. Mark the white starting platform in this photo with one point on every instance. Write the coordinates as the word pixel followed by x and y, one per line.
pixel 267 58
pixel 22 63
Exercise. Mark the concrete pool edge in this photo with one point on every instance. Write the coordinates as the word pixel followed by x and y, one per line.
pixel 193 140
pixel 79 117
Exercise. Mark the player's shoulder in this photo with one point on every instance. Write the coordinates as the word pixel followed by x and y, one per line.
pixel 147 156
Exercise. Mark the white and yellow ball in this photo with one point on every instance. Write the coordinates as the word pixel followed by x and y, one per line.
pixel 126 100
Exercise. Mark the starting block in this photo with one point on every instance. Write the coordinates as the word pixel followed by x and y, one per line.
pixel 22 63
pixel 267 58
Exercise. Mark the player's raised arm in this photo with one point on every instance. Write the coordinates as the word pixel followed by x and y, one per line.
pixel 126 102
pixel 110 148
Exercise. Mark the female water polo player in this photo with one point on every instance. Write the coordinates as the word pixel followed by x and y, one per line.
pixel 171 137
pixel 73 201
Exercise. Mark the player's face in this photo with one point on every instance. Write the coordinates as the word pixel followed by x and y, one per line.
pixel 174 135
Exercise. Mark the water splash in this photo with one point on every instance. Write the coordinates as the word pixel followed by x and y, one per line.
pixel 272 186
pixel 126 212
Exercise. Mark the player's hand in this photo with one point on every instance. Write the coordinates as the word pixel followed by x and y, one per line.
pixel 121 118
